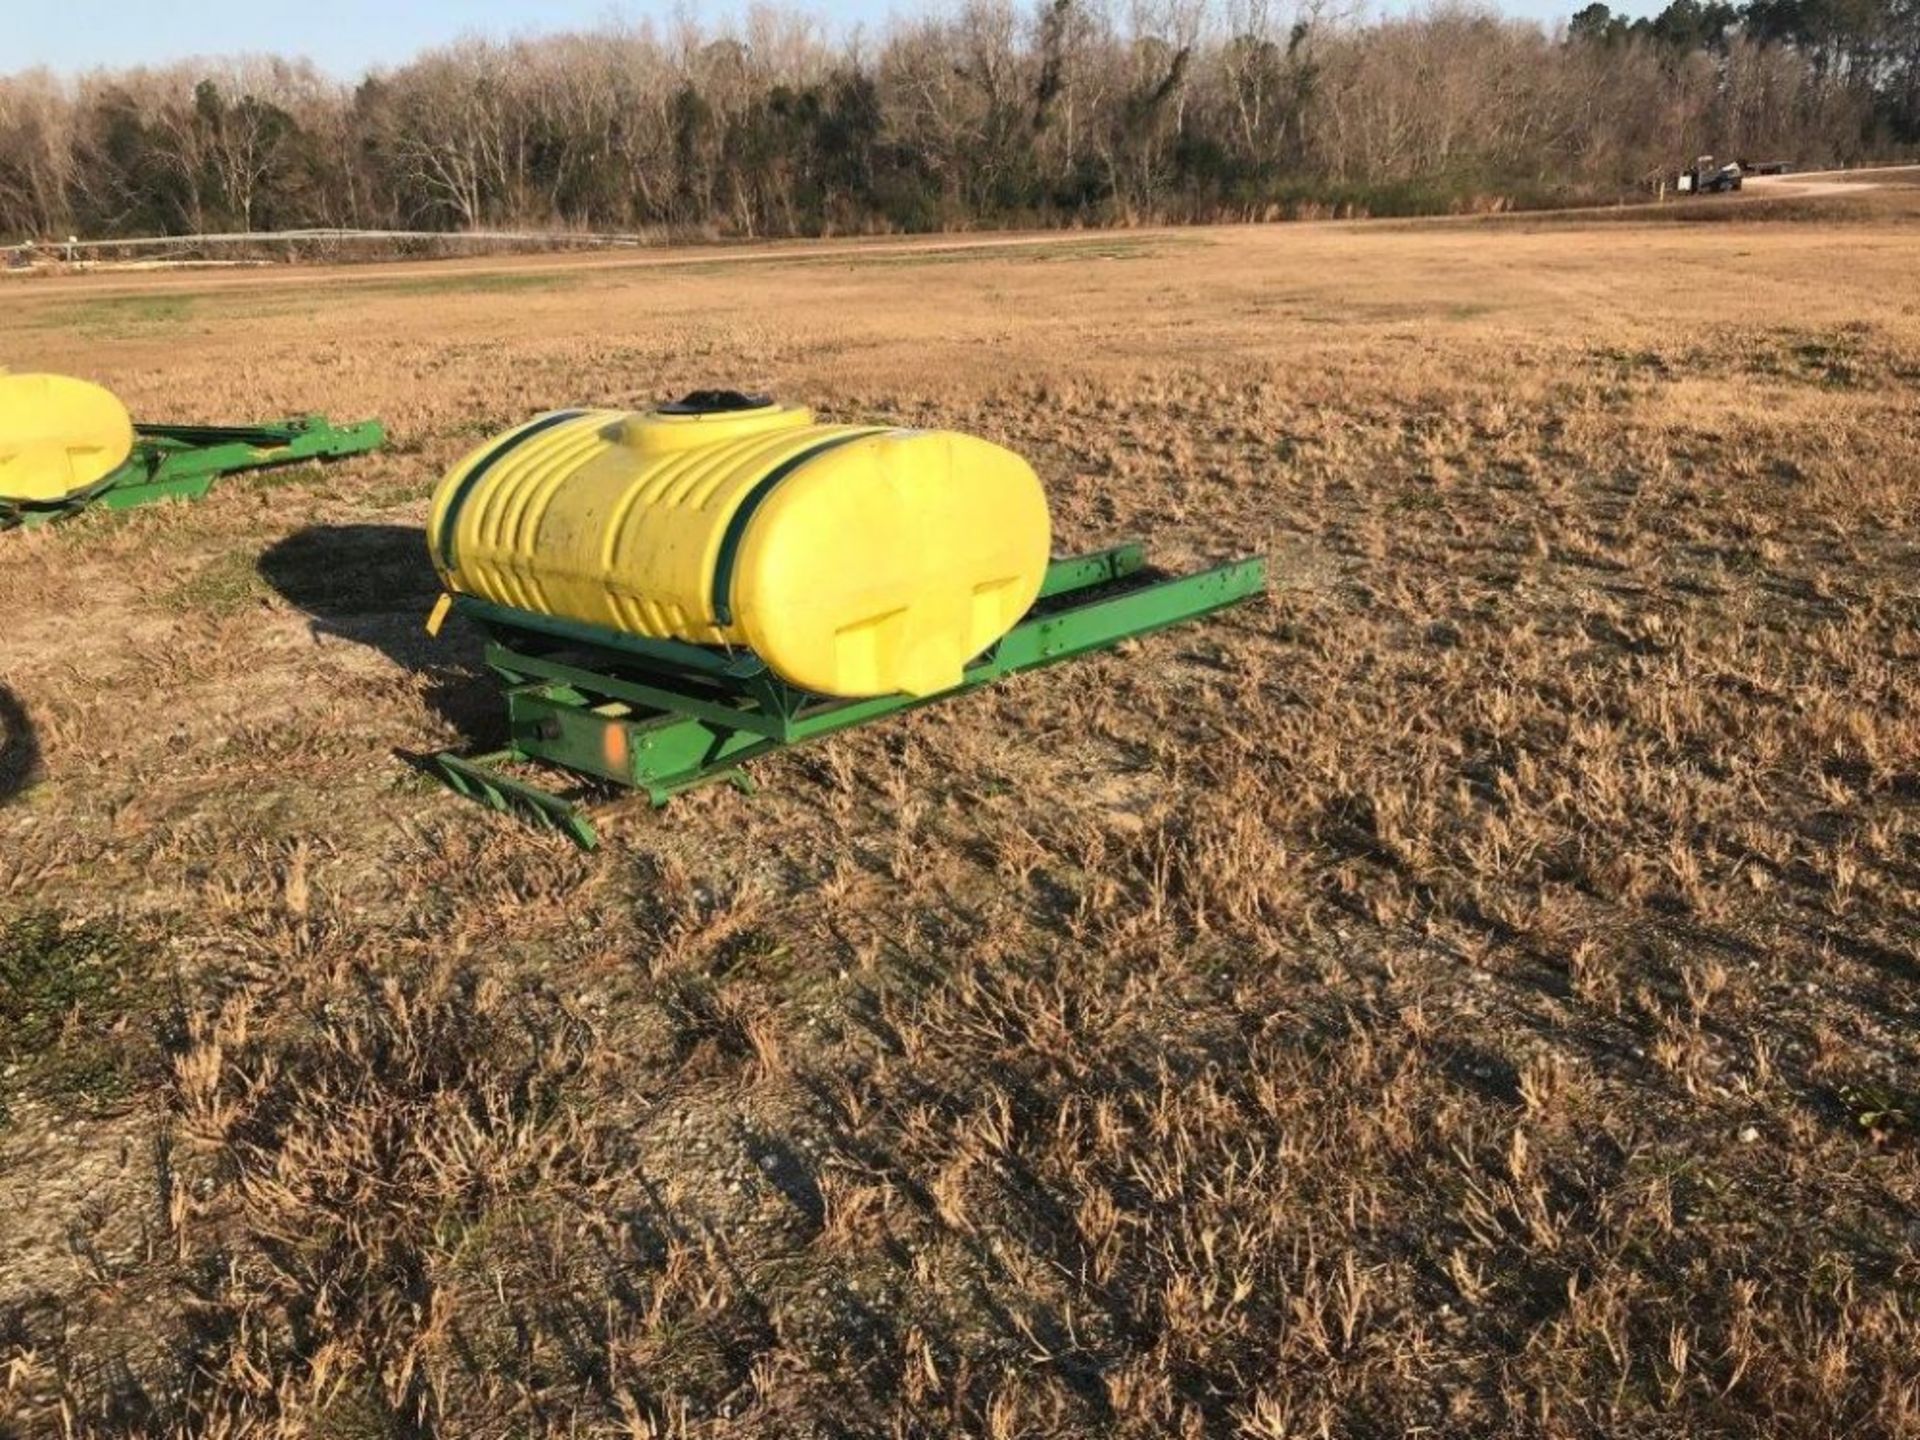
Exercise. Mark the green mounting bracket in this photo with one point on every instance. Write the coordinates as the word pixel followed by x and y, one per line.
pixel 662 717
pixel 183 461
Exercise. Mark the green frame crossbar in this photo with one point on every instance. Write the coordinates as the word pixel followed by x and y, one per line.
pixel 663 717
pixel 182 462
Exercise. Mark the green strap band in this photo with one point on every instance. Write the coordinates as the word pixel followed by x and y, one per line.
pixel 450 520
pixel 729 555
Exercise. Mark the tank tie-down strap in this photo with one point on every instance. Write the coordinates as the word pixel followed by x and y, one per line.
pixel 449 522
pixel 737 525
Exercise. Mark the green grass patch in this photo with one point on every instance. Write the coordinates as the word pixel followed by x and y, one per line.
pixel 1104 249
pixel 224 585
pixel 113 316
pixel 67 1003
pixel 305 301
pixel 470 284
pixel 135 316
pixel 1842 359
pixel 1883 1116
pixel 957 251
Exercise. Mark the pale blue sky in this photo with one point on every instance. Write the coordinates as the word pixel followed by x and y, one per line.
pixel 346 37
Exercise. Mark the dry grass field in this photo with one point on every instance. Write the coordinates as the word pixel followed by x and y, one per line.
pixel 1470 991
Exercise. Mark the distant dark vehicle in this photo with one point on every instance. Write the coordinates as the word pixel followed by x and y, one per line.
pixel 1766 167
pixel 1706 178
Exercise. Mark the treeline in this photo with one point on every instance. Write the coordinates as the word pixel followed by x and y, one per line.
pixel 1070 112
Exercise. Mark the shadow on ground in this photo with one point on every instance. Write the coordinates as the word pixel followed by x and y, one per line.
pixel 374 585
pixel 19 747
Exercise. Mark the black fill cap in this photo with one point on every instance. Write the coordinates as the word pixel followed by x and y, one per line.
pixel 715 402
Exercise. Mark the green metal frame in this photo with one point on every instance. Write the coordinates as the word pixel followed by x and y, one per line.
pixel 183 461
pixel 663 717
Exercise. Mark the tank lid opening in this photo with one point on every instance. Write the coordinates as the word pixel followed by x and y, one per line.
pixel 715 402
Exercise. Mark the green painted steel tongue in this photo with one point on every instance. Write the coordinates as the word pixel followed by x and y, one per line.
pixel 183 461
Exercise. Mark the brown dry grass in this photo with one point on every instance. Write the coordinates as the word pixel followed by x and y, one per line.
pixel 1444 996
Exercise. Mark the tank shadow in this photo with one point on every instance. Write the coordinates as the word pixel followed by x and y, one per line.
pixel 373 585
pixel 19 747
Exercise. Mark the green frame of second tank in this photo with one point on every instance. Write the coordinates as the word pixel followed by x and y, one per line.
pixel 663 717
pixel 183 461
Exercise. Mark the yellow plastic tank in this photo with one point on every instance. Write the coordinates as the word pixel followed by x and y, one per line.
pixel 59 437
pixel 854 560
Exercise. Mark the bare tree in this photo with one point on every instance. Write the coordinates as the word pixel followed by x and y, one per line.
pixel 37 154
pixel 991 110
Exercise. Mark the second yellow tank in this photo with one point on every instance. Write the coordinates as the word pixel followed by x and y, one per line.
pixel 59 437
pixel 855 560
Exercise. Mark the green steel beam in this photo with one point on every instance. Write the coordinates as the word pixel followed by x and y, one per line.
pixel 630 714
pixel 671 654
pixel 1099 568
pixel 713 706
pixel 476 779
pixel 1101 623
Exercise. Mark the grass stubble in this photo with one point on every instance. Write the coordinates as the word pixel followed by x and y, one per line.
pixel 1469 991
